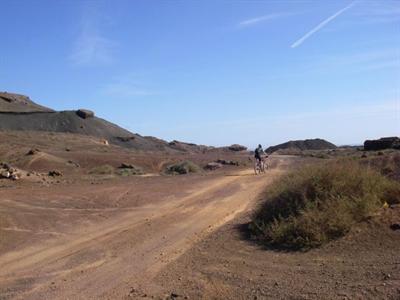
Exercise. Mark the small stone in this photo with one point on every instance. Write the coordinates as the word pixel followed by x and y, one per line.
pixel 55 173
pixel 395 226
pixel 5 174
pixel 33 151
pixel 15 177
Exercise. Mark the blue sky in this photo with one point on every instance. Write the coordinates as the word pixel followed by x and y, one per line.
pixel 212 72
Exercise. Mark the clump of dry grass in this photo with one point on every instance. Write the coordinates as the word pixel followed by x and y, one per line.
pixel 181 168
pixel 319 203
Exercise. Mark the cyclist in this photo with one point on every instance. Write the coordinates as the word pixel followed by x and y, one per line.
pixel 258 153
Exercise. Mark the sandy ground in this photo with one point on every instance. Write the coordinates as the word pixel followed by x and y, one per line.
pixel 365 264
pixel 110 240
pixel 108 237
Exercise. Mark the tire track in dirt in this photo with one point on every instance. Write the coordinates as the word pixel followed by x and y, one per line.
pixel 105 259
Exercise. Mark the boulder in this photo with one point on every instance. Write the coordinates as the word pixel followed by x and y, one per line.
pixel 85 113
pixel 5 166
pixel 5 174
pixel 237 147
pixel 104 142
pixel 15 176
pixel 33 151
pixel 126 166
pixel 55 173
pixel 8 172
pixel 382 144
pixel 213 166
pixel 395 226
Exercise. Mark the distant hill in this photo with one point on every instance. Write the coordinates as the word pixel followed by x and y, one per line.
pixel 300 145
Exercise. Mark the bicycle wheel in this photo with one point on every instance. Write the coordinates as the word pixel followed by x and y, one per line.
pixel 257 169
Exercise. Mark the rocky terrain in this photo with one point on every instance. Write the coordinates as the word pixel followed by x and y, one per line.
pixel 89 210
pixel 16 103
pixel 382 144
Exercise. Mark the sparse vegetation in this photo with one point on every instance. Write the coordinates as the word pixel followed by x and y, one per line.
pixel 319 203
pixel 102 170
pixel 387 163
pixel 181 168
pixel 110 170
pixel 131 171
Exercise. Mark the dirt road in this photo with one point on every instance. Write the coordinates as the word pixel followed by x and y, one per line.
pixel 114 251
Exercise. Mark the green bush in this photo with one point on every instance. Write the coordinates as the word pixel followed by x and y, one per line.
pixel 181 168
pixel 319 203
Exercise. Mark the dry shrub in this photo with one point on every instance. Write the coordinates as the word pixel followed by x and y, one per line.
pixel 319 203
pixel 181 168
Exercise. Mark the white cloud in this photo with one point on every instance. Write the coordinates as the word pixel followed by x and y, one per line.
pixel 92 47
pixel 321 25
pixel 260 19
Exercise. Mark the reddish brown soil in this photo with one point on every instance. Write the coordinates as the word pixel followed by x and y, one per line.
pixel 83 236
pixel 228 265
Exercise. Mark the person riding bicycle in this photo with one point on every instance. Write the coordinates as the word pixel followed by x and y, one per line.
pixel 258 153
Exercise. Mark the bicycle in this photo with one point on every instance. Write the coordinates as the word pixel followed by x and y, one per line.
pixel 260 166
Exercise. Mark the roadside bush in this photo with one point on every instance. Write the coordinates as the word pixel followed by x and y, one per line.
pixel 130 171
pixel 102 170
pixel 319 203
pixel 181 168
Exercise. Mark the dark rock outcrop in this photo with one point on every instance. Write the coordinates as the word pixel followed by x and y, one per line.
pixel 189 147
pixel 55 173
pixel 382 144
pixel 237 147
pixel 85 113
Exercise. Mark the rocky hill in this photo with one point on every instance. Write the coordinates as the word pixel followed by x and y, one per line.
pixel 301 145
pixel 19 103
pixel 382 143
pixel 18 112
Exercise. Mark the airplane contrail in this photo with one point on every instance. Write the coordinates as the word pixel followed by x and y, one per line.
pixel 321 25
